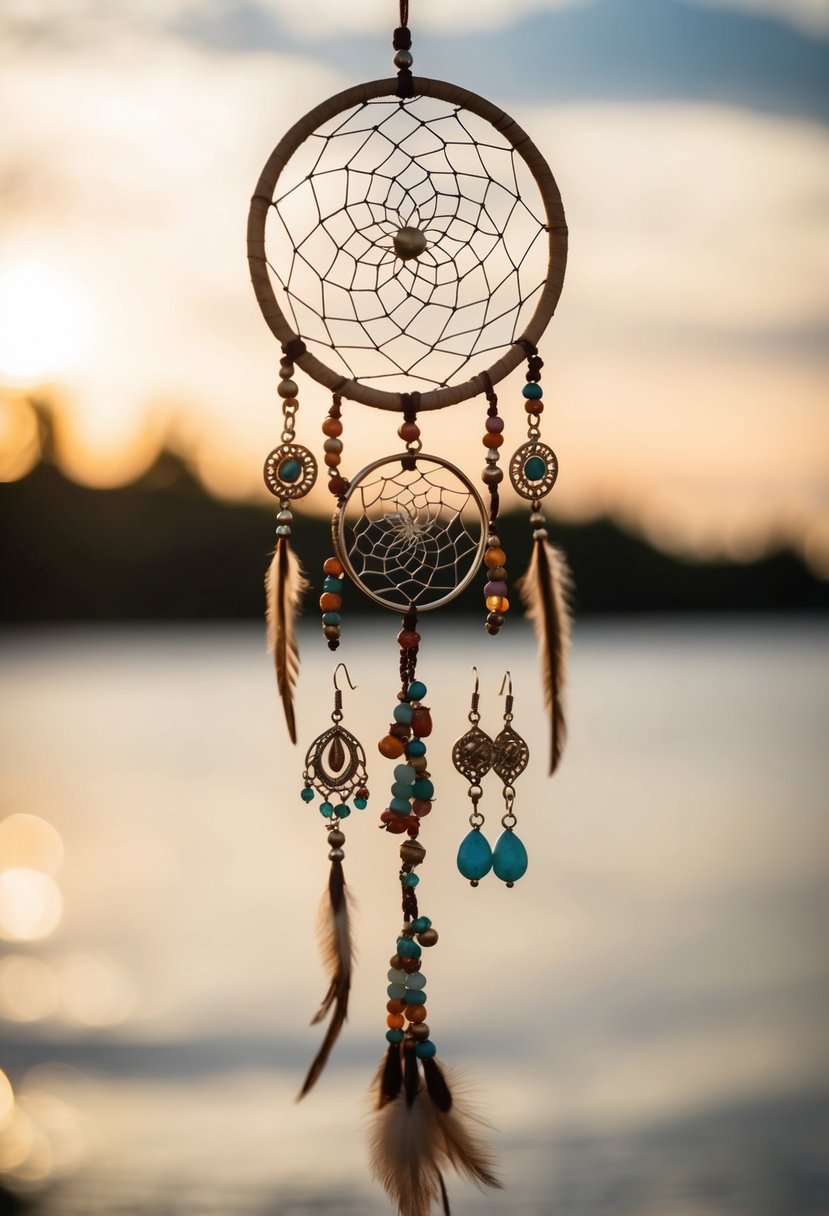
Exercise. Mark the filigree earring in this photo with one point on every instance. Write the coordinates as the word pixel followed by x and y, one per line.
pixel 335 768
pixel 510 757
pixel 472 756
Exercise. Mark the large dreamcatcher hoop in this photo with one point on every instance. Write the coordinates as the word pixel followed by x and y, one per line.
pixel 407 247
pixel 406 211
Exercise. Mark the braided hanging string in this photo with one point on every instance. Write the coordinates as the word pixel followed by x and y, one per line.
pixel 380 167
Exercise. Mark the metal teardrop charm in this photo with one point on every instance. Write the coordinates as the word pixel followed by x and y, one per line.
pixel 336 755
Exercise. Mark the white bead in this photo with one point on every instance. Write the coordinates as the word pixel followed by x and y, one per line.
pixel 397 977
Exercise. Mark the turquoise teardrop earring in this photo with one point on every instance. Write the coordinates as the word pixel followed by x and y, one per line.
pixel 510 757
pixel 472 756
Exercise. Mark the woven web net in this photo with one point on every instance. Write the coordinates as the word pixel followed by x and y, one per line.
pixel 365 174
pixel 408 535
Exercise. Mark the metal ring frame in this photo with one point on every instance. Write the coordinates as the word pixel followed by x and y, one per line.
pixel 556 227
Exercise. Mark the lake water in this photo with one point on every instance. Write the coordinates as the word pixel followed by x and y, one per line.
pixel 643 1019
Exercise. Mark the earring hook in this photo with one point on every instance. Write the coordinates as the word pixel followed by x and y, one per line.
pixel 347 676
pixel 507 676
pixel 475 690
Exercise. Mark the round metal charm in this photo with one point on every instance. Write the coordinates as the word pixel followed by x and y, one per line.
pixel 410 536
pixel 290 471
pixel 472 754
pixel 533 469
pixel 511 755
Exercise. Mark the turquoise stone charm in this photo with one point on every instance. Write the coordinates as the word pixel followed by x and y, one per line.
pixel 425 1050
pixel 410 880
pixel 416 690
pixel 326 809
pixel 331 618
pixel 361 803
pixel 401 789
pixel 535 468
pixel 332 584
pixel 403 713
pixel 406 948
pixel 342 811
pixel 509 860
pixel 397 1036
pixel 423 788
pixel 405 773
pixel 400 806
pixel 532 392
pixel 415 747
pixel 421 924
pixel 396 992
pixel 307 794
pixel 474 856
pixel 414 996
pixel 289 470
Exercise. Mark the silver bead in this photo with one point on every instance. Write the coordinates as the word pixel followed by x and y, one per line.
pixel 283 530
pixel 412 852
pixel 333 445
pixel 537 519
pixel 492 476
pixel 418 763
pixel 336 855
pixel 284 517
pixel 419 1031
pixel 403 59
pixel 336 838
pixel 538 534
pixel 287 388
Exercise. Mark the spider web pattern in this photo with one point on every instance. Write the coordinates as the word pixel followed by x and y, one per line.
pixel 405 538
pixel 388 164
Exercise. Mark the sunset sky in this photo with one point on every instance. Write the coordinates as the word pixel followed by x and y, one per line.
pixel 687 364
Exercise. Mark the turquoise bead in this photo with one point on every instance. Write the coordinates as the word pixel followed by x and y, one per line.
pixel 403 713
pixel 509 860
pixel 423 788
pixel 342 811
pixel 410 880
pixel 289 470
pixel 414 997
pixel 421 924
pixel 535 468
pixel 331 618
pixel 474 855
pixel 415 747
pixel 326 809
pixel 532 392
pixel 307 794
pixel 396 976
pixel 416 690
pixel 415 981
pixel 402 789
pixel 405 772
pixel 332 584
pixel 406 948
pixel 361 803
pixel 425 1050
pixel 400 806
pixel 397 1036
pixel 396 992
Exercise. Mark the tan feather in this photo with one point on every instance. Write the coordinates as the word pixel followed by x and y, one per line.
pixel 337 954
pixel 285 585
pixel 545 590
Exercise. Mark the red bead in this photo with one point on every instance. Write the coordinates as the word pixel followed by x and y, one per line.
pixel 421 807
pixel 408 431
pixel 337 486
pixel 407 639
pixel 332 427
pixel 421 722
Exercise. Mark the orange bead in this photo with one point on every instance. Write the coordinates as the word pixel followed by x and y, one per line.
pixel 332 459
pixel 395 1006
pixel 416 1013
pixel 330 601
pixel 333 566
pixel 497 603
pixel 390 747
pixel 395 1021
pixel 332 427
pixel 491 440
pixel 495 557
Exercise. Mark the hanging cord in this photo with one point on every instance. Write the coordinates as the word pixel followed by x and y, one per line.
pixel 403 61
pixel 409 430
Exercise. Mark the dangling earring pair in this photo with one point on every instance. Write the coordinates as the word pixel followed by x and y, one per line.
pixel 507 755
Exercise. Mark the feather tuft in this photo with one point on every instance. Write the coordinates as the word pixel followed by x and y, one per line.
pixel 285 585
pixel 545 590
pixel 337 954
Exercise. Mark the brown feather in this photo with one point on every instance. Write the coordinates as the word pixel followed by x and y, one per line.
pixel 285 585
pixel 337 953
pixel 545 590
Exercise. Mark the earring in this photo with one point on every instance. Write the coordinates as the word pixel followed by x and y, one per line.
pixel 472 756
pixel 335 768
pixel 510 757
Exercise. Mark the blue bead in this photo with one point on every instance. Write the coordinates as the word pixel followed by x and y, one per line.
pixel 423 788
pixel 415 747
pixel 535 468
pixel 406 948
pixel 416 690
pixel 361 803
pixel 532 392
pixel 474 855
pixel 289 470
pixel 332 584
pixel 415 981
pixel 509 861
pixel 342 811
pixel 397 1036
pixel 402 789
pixel 307 794
pixel 331 618
pixel 403 713
pixel 405 772
pixel 410 880
pixel 421 924
pixel 425 1050
pixel 396 992
pixel 326 809
pixel 400 806
pixel 414 997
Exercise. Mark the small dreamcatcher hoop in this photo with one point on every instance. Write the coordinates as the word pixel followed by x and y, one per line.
pixel 416 237
pixel 411 531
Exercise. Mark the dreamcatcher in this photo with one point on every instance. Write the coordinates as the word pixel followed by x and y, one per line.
pixel 407 246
